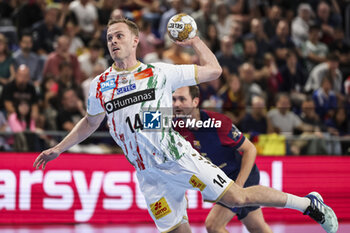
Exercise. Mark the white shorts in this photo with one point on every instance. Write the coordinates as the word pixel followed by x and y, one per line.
pixel 164 187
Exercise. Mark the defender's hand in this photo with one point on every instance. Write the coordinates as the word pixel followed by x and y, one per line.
pixel 45 157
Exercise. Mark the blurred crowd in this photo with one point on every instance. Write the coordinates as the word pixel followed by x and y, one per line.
pixel 286 64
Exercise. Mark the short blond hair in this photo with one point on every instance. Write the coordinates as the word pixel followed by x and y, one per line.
pixel 131 25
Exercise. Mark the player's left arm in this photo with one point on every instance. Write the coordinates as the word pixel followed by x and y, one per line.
pixel 248 161
pixel 209 68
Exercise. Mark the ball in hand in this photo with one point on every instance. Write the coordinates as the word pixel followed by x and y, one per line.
pixel 181 27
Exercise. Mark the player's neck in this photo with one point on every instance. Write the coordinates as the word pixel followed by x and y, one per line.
pixel 196 114
pixel 126 65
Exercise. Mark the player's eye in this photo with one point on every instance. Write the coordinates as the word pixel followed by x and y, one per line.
pixel 119 36
pixel 109 38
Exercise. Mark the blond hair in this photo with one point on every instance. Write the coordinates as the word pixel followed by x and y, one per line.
pixel 131 25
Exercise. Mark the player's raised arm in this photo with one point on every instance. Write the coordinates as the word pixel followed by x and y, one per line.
pixel 209 68
pixel 85 127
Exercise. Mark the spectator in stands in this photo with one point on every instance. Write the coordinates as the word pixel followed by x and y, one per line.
pixel 26 132
pixel 20 89
pixel 27 14
pixel 318 72
pixel 71 30
pixel 93 56
pixel 7 70
pixel 233 99
pixel 273 18
pixel 309 115
pixel 281 43
pixel 269 78
pixel 249 85
pixel 177 55
pixel 282 119
pixel 339 125
pixel 72 109
pixel 325 98
pixel 21 119
pixel 226 57
pixel 251 54
pixel 147 40
pixel 49 103
pixel 105 9
pixel 66 80
pixel 176 7
pixel 213 41
pixel 328 20
pixel 209 97
pixel 258 33
pixel 87 17
pixel 25 56
pixel 293 76
pixel 255 121
pixel 45 32
pixel 6 11
pixel 203 17
pixel 61 54
pixel 312 140
pixel 157 55
pixel 222 19
pixel 236 35
pixel 341 47
pixel 301 23
pixel 313 50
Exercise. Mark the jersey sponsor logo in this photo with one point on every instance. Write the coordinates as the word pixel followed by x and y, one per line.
pixel 160 208
pixel 197 183
pixel 123 80
pixel 126 88
pixel 131 99
pixel 152 120
pixel 108 85
pixel 144 74
pixel 196 144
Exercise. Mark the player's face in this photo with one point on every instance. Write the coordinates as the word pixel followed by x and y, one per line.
pixel 183 104
pixel 121 41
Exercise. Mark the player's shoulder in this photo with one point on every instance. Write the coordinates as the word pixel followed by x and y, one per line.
pixel 162 65
pixel 225 121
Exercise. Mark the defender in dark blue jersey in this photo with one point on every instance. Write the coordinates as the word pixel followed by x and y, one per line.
pixel 226 147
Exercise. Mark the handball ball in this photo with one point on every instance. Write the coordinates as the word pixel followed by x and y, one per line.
pixel 181 27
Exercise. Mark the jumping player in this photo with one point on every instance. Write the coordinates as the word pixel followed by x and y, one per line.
pixel 227 148
pixel 165 162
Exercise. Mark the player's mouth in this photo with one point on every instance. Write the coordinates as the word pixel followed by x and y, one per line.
pixel 178 112
pixel 115 49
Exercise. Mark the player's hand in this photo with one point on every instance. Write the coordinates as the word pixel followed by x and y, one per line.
pixel 188 42
pixel 46 156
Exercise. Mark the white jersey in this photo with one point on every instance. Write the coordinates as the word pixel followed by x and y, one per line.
pixel 125 95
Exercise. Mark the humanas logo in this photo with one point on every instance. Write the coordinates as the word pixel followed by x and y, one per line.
pixel 164 119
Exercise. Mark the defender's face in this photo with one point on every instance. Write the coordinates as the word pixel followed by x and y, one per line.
pixel 121 41
pixel 183 104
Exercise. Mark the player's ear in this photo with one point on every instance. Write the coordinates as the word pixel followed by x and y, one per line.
pixel 195 102
pixel 136 41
